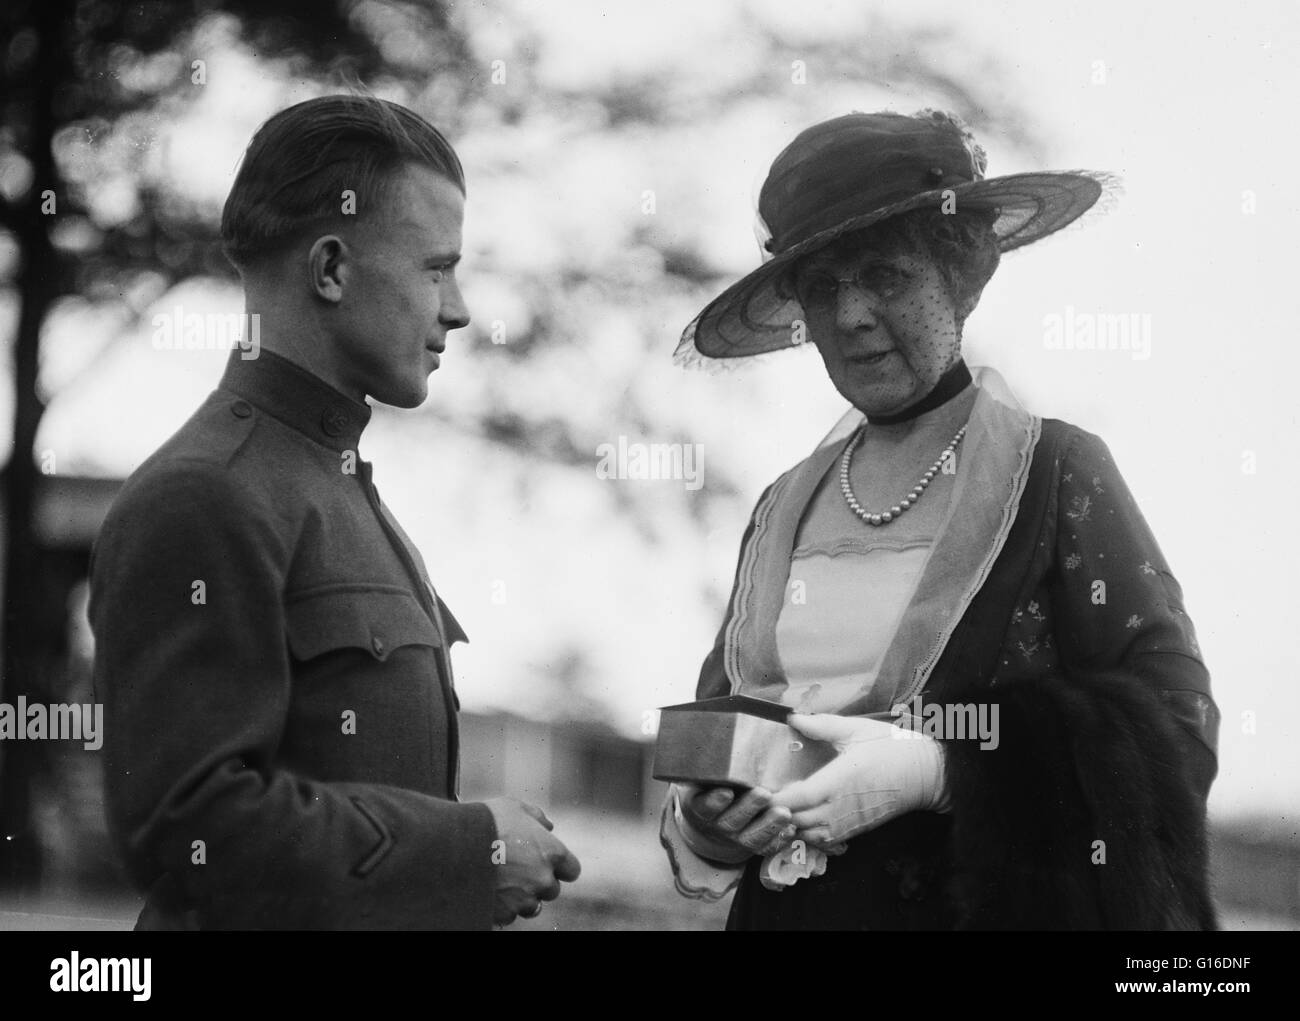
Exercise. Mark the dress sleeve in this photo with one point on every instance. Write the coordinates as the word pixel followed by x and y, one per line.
pixel 193 667
pixel 694 875
pixel 1089 811
pixel 1123 607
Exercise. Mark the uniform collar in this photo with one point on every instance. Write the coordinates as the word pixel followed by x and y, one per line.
pixel 298 398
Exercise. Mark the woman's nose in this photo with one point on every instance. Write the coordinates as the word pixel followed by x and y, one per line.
pixel 856 308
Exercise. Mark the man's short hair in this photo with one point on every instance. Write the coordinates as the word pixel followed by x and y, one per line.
pixel 302 160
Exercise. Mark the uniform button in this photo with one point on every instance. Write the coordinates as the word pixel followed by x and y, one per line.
pixel 334 421
pixel 377 644
pixel 241 409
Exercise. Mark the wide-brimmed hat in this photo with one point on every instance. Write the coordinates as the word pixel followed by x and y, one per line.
pixel 852 172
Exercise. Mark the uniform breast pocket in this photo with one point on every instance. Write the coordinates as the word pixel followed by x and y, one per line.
pixel 366 702
pixel 377 620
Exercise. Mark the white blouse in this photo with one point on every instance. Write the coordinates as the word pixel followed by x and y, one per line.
pixel 847 589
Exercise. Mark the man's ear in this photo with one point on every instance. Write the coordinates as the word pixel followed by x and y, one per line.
pixel 327 267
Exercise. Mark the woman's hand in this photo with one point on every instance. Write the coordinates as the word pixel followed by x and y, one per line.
pixel 731 829
pixel 882 771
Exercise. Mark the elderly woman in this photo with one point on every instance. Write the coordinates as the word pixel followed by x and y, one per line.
pixel 948 561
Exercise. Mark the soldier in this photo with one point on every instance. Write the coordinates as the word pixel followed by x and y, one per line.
pixel 281 746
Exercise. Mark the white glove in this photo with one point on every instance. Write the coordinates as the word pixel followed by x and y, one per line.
pixel 882 771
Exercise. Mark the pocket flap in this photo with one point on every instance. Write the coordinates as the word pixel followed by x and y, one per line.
pixel 376 618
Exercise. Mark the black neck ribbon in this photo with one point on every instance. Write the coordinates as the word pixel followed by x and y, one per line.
pixel 950 384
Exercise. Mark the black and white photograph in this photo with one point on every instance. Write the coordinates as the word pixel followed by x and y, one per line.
pixel 507 465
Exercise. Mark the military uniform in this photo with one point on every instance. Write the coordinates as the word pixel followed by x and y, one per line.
pixel 281 740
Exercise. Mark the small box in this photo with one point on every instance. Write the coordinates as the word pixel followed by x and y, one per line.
pixel 734 741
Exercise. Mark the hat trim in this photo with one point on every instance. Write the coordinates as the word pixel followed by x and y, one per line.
pixel 1110 188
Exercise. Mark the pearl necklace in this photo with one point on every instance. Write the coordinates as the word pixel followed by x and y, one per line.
pixel 885 517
